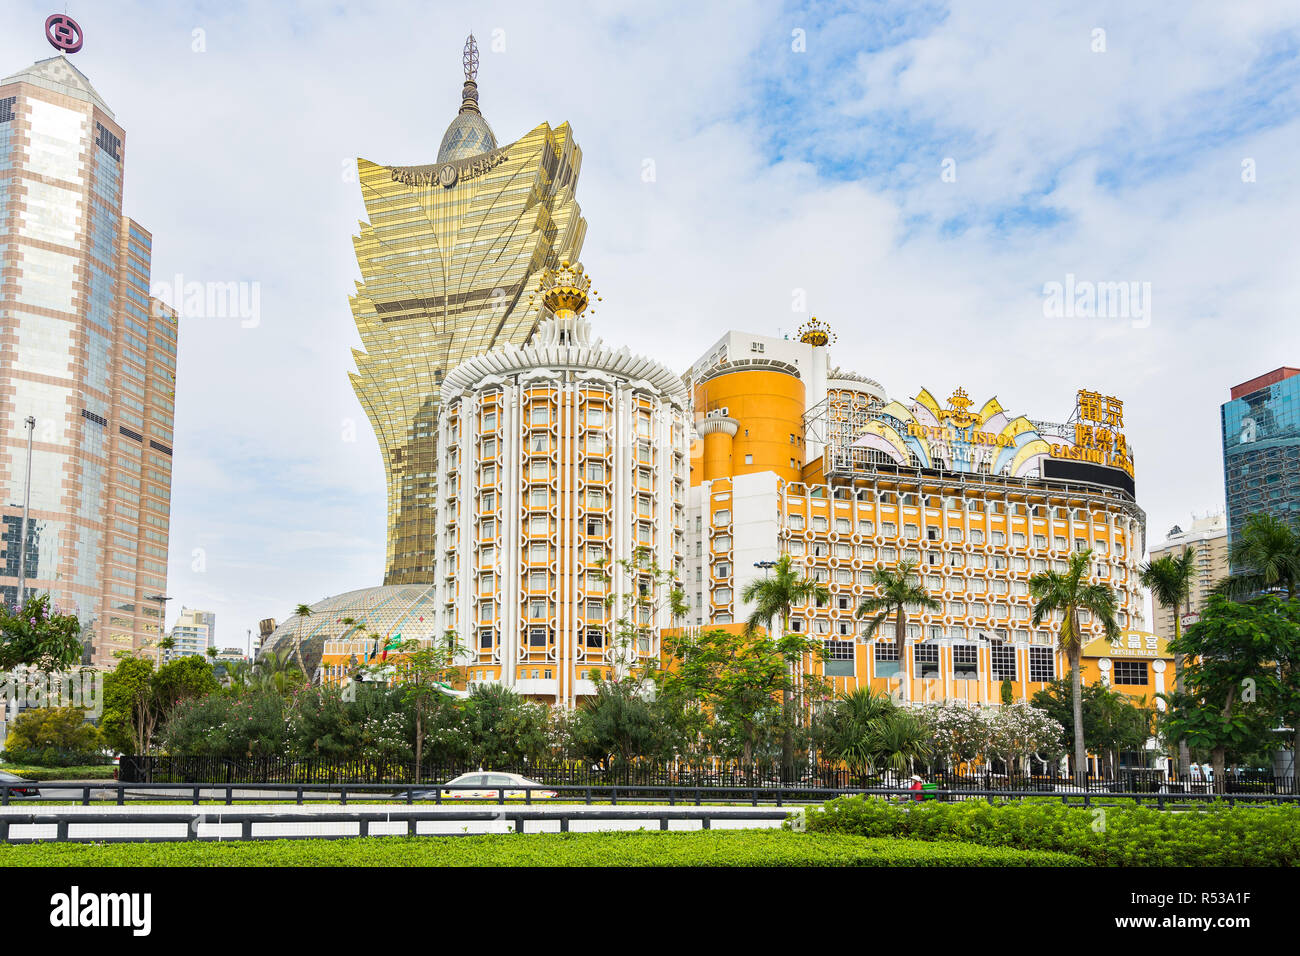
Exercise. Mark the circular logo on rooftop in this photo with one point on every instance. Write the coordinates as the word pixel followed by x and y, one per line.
pixel 64 33
pixel 448 175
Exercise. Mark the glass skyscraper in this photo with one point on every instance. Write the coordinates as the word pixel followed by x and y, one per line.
pixel 1261 448
pixel 87 352
pixel 447 260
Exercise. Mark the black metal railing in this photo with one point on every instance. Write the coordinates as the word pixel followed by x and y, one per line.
pixel 187 769
pixel 196 793
pixel 408 820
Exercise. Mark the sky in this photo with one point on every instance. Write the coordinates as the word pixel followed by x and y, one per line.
pixel 915 174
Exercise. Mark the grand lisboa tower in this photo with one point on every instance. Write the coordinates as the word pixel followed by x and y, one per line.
pixel 447 259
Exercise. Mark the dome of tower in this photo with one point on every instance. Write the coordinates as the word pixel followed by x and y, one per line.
pixel 468 135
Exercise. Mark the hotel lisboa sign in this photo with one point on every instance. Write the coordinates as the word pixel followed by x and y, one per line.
pixel 983 439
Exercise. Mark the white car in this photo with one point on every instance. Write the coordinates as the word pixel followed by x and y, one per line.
pixel 483 785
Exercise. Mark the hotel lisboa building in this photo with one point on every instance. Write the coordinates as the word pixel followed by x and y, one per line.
pixel 521 450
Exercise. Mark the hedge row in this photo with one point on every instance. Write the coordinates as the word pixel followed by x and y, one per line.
pixel 767 848
pixel 1217 835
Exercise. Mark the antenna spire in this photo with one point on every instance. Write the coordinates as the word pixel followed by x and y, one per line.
pixel 469 95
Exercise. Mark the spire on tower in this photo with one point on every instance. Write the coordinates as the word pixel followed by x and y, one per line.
pixel 469 95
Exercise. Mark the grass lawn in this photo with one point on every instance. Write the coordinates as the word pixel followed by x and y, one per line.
pixel 45 774
pixel 765 848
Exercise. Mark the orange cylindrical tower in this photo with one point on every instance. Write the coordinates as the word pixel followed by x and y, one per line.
pixel 763 400
pixel 717 433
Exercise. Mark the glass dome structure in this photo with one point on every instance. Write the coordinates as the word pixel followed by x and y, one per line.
pixel 468 135
pixel 391 611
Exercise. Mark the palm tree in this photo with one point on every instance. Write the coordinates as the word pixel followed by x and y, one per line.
pixel 1267 554
pixel 775 597
pixel 848 729
pixel 895 592
pixel 302 612
pixel 1071 593
pixel 1169 579
pixel 275 671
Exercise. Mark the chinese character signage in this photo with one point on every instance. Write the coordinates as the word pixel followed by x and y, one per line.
pixel 1098 433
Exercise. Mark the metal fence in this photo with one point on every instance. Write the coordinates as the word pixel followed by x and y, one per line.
pixel 407 821
pixel 183 769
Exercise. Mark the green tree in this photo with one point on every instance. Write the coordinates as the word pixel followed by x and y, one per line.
pixel 131 712
pixel 1288 700
pixel 422 676
pixel 849 730
pixel 35 637
pixel 620 723
pixel 53 736
pixel 895 593
pixel 1070 593
pixel 1266 555
pixel 138 698
pixel 640 590
pixel 774 597
pixel 1170 579
pixel 727 684
pixel 506 729
pixel 1112 723
pixel 301 612
pixel 1233 653
pixel 276 671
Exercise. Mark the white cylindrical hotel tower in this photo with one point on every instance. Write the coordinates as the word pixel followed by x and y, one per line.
pixel 553 457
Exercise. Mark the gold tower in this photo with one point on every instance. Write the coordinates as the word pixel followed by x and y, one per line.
pixel 447 259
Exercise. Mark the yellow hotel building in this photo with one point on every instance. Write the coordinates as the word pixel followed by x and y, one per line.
pixel 796 457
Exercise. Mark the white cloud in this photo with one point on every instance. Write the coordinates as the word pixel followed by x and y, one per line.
pixel 774 170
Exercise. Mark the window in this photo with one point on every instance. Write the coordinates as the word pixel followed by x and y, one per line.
pixel 1130 672
pixel 536 638
pixel 1004 663
pixel 965 662
pixel 796 522
pixel 595 471
pixel 595 638
pixel 749 459
pixel 926 659
pixel 539 415
pixel 485 638
pixel 886 655
pixel 839 650
pixel 1042 664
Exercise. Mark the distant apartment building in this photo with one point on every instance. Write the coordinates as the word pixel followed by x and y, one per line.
pixel 192 634
pixel 1261 448
pixel 1209 537
pixel 91 356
